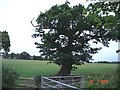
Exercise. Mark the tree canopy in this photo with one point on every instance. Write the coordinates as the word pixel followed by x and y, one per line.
pixel 71 29
pixel 25 55
pixel 5 41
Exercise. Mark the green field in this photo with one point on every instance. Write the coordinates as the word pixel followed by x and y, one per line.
pixel 91 71
pixel 32 68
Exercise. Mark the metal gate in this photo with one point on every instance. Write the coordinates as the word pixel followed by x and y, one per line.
pixel 62 82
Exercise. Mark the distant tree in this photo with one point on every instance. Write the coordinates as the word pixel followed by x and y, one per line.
pixel 90 62
pixel 70 29
pixel 103 62
pixel 37 57
pixel 115 62
pixel 25 55
pixel 5 41
pixel 18 56
pixel 12 55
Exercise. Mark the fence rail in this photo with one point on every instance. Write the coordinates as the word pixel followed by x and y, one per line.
pixel 62 82
pixel 53 83
pixel 27 82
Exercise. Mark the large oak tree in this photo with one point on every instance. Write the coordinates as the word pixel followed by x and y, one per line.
pixel 72 29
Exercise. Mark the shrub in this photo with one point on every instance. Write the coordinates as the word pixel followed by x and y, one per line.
pixel 9 76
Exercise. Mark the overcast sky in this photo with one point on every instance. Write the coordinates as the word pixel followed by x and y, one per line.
pixel 15 17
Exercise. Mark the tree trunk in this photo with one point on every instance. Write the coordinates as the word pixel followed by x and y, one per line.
pixel 65 70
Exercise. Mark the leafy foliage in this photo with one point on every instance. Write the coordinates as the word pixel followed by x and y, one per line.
pixel 9 75
pixel 5 41
pixel 71 29
pixel 25 55
pixel 109 18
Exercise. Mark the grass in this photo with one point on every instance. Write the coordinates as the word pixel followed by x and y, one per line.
pixel 32 68
pixel 95 68
pixel 91 71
